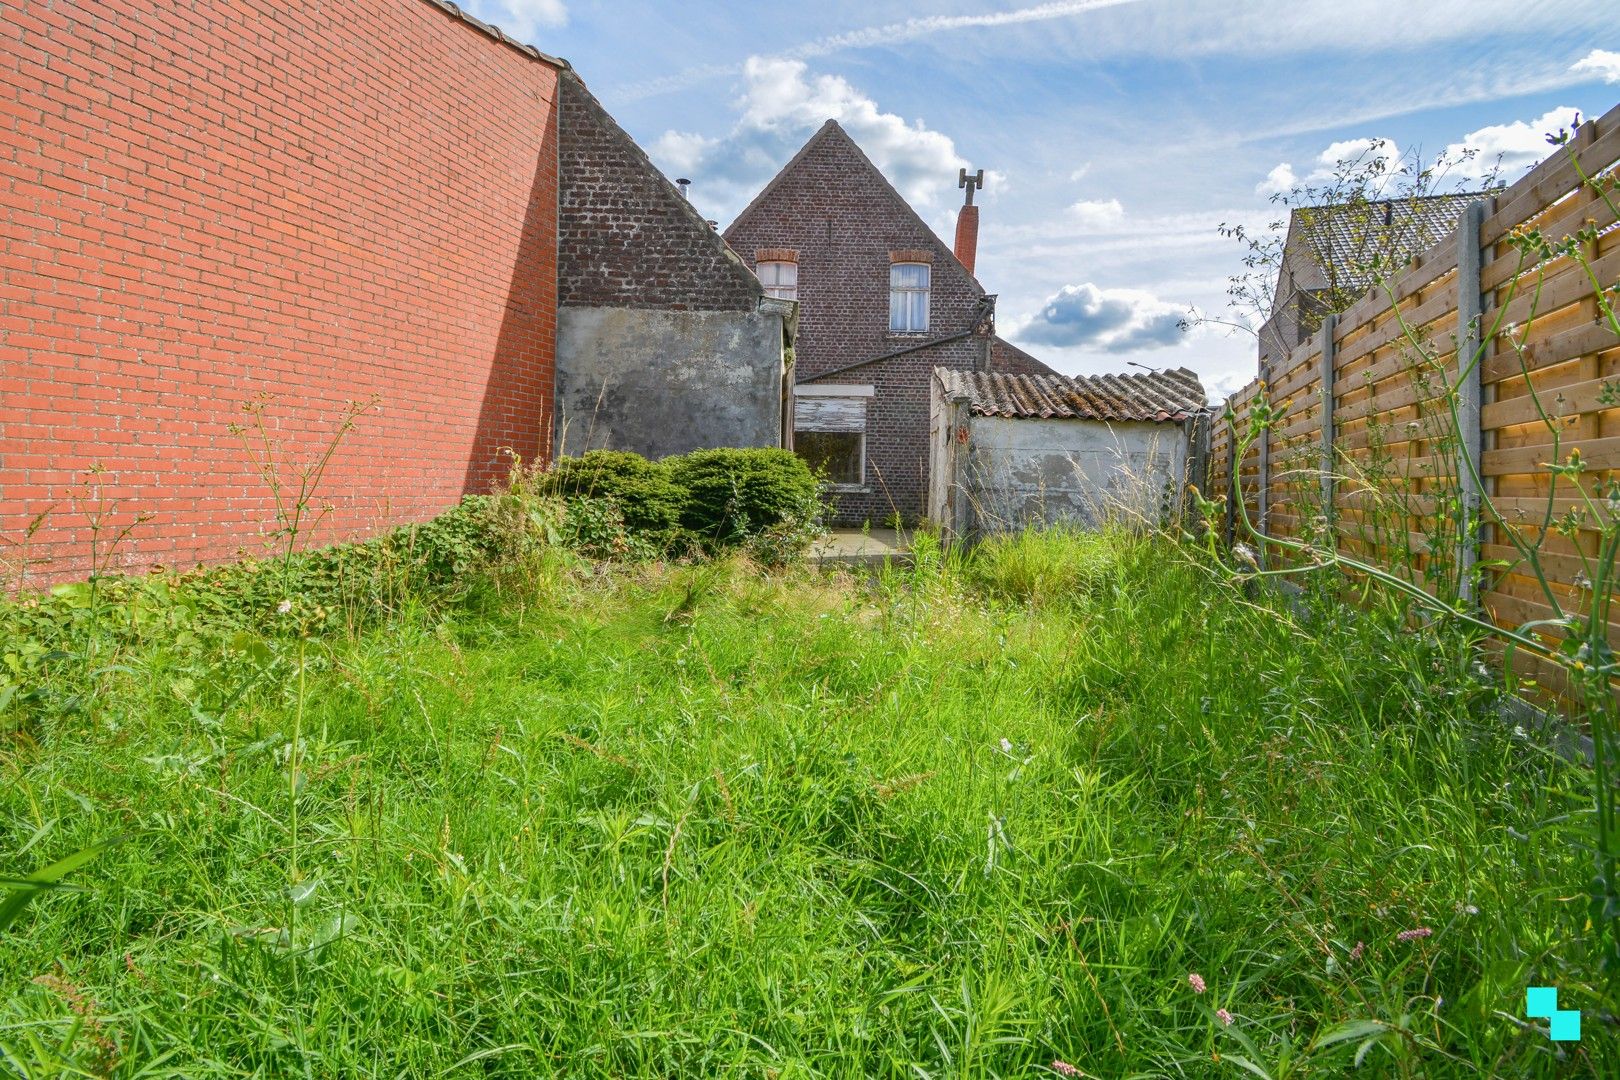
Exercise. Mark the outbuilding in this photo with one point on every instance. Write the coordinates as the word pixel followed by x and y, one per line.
pixel 1008 451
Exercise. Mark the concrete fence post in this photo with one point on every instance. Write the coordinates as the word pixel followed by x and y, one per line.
pixel 958 414
pixel 1199 428
pixel 1470 436
pixel 1231 466
pixel 1329 355
pixel 1262 497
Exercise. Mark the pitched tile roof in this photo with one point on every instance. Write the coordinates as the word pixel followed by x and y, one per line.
pixel 1157 396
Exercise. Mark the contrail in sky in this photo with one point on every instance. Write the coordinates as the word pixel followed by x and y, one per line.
pixel 908 30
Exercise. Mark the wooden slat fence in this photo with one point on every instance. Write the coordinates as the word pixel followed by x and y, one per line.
pixel 1382 478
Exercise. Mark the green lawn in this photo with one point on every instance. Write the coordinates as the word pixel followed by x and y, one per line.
pixel 712 820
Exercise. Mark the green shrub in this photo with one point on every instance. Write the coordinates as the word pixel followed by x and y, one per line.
pixel 732 495
pixel 642 490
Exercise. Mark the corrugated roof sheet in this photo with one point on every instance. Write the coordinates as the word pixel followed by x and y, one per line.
pixel 1164 396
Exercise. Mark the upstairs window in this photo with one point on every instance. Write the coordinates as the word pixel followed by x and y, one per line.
pixel 908 298
pixel 781 279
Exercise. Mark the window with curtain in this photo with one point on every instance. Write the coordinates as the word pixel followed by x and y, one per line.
pixel 908 298
pixel 781 279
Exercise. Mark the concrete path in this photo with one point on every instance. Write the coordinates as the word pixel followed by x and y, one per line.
pixel 857 547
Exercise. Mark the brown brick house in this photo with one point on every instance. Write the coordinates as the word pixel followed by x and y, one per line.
pixel 882 303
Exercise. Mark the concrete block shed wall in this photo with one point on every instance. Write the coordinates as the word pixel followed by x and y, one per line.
pixel 665 382
pixel 206 201
pixel 1019 472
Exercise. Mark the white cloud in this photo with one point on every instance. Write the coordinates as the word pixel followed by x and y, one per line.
pixel 1504 151
pixel 1080 174
pixel 886 35
pixel 1097 215
pixel 1108 320
pixel 922 26
pixel 522 18
pixel 1602 63
pixel 1278 180
pixel 1509 149
pixel 1105 29
pixel 782 104
pixel 681 151
pixel 1372 158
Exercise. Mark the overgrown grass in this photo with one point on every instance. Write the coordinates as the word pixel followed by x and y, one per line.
pixel 961 820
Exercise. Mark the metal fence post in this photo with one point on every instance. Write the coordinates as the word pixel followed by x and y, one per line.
pixel 1470 439
pixel 1329 354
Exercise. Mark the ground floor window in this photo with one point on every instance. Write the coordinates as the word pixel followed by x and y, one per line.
pixel 829 432
pixel 840 456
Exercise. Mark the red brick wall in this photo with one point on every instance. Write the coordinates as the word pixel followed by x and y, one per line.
pixel 833 208
pixel 204 201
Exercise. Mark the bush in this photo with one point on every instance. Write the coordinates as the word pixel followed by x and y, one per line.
pixel 733 495
pixel 642 491
pixel 621 505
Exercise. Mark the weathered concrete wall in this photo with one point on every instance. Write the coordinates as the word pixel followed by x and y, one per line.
pixel 665 382
pixel 1021 472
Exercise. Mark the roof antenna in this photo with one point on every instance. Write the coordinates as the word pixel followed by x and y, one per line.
pixel 976 181
pixel 683 183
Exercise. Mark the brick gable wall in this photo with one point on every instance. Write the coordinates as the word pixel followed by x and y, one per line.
pixel 206 201
pixel 626 236
pixel 847 226
pixel 1009 359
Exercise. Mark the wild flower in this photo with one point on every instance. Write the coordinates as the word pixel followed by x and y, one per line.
pixel 1355 953
pixel 1196 981
pixel 284 607
pixel 1063 1068
pixel 1414 934
pixel 1006 746
pixel 1224 1017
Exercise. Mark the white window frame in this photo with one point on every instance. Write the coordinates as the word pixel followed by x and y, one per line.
pixel 911 290
pixel 776 289
pixel 834 390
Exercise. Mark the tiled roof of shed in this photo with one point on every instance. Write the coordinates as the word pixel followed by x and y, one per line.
pixel 1157 396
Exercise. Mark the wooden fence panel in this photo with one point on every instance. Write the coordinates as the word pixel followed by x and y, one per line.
pixel 1381 479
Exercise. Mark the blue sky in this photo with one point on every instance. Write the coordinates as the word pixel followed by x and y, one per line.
pixel 1116 134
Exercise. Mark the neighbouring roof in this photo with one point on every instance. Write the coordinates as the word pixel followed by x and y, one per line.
pixel 1009 359
pixel 1341 240
pixel 1164 396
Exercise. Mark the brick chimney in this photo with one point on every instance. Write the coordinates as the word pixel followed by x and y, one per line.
pixel 967 221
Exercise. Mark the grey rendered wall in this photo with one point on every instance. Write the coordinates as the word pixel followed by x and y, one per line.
pixel 1023 472
pixel 665 382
